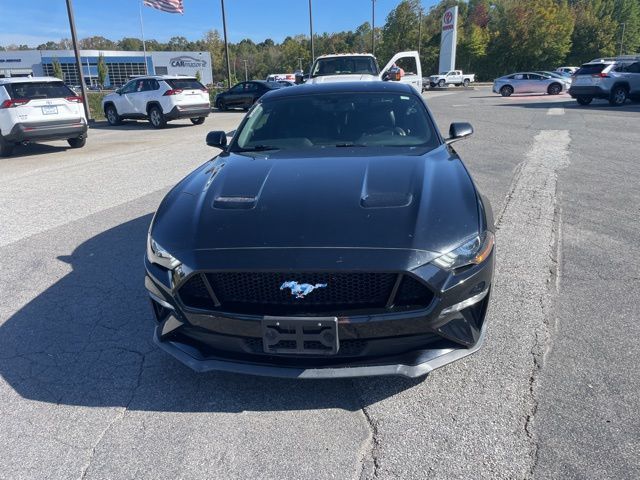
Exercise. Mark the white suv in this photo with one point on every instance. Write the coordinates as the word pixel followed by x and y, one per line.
pixel 158 98
pixel 39 108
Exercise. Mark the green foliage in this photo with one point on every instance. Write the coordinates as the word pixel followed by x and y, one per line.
pixel 198 76
pixel 103 71
pixel 57 68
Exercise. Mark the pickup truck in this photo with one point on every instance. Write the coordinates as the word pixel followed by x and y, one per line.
pixel 453 77
pixel 358 67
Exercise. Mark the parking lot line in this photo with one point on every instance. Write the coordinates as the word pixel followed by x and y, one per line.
pixel 556 111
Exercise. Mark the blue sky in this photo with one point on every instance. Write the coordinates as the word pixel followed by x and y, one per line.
pixel 36 21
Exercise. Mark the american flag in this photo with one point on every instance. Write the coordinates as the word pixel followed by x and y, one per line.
pixel 169 6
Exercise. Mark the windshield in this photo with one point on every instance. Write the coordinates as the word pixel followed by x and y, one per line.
pixel 337 120
pixel 345 66
pixel 36 90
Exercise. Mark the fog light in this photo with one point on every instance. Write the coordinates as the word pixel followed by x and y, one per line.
pixel 465 303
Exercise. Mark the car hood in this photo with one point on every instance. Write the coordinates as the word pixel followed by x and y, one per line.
pixel 343 78
pixel 421 201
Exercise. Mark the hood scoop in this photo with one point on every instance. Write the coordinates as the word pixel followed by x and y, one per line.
pixel 240 189
pixel 388 185
pixel 235 203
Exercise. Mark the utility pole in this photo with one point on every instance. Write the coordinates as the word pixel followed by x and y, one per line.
pixel 246 76
pixel 373 27
pixel 300 63
pixel 74 39
pixel 419 30
pixel 226 45
pixel 313 53
pixel 622 38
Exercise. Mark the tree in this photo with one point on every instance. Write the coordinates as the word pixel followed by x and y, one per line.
pixel 130 44
pixel 103 71
pixel 198 76
pixel 57 68
pixel 97 43
pixel 48 46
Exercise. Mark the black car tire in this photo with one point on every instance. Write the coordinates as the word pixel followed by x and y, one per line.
pixel 618 96
pixel 156 117
pixel 197 121
pixel 554 89
pixel 6 148
pixel 442 83
pixel 506 91
pixel 77 142
pixel 220 105
pixel 112 115
pixel 583 100
pixel 465 83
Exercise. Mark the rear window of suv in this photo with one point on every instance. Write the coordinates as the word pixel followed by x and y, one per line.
pixel 185 84
pixel 591 68
pixel 37 90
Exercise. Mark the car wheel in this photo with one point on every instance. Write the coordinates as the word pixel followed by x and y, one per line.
pixel 6 148
pixel 77 142
pixel 112 115
pixel 618 96
pixel 554 89
pixel 197 121
pixel 441 83
pixel 584 100
pixel 465 84
pixel 220 105
pixel 156 117
pixel 506 91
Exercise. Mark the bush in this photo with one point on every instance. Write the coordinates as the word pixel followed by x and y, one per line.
pixel 95 105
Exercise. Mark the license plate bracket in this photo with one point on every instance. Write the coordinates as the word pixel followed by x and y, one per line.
pixel 49 110
pixel 300 335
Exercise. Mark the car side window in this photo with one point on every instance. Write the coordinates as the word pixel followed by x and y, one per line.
pixel 151 84
pixel 519 76
pixel 533 76
pixel 634 68
pixel 251 87
pixel 129 87
pixel 237 88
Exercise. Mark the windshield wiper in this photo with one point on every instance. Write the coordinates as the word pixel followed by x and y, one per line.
pixel 350 145
pixel 258 148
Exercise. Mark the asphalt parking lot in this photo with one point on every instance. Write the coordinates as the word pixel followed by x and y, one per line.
pixel 552 394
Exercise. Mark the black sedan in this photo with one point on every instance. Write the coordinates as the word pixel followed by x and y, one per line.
pixel 244 94
pixel 337 235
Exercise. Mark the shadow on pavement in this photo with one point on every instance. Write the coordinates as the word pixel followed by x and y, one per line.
pixel 86 340
pixel 572 105
pixel 138 124
pixel 21 150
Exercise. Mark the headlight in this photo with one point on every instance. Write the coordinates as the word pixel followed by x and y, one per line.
pixel 472 252
pixel 158 255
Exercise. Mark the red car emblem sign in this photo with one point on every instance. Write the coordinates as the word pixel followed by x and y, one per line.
pixel 448 17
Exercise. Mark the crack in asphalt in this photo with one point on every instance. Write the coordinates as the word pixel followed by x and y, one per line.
pixel 370 461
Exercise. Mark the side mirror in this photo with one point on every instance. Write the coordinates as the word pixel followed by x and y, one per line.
pixel 299 78
pixel 458 131
pixel 118 91
pixel 217 139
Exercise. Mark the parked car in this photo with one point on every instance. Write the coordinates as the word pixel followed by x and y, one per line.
pixel 528 82
pixel 159 99
pixel 276 77
pixel 337 235
pixel 244 94
pixel 363 67
pixel 613 79
pixel 286 83
pixel 565 77
pixel 569 70
pixel 39 108
pixel 453 77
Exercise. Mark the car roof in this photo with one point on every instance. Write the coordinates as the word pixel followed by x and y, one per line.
pixel 334 55
pixel 165 77
pixel 28 79
pixel 342 87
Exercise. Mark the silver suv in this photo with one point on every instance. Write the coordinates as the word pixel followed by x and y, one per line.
pixel 615 79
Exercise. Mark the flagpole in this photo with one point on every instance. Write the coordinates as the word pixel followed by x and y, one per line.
pixel 76 49
pixel 226 46
pixel 144 45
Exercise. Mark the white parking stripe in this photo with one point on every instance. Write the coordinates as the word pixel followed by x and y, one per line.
pixel 556 111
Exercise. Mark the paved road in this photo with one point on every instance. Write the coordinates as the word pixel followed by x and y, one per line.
pixel 553 393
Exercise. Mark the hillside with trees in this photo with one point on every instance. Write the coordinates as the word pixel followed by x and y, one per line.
pixel 494 38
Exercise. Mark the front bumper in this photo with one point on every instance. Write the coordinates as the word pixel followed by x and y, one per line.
pixel 410 343
pixel 188 111
pixel 52 130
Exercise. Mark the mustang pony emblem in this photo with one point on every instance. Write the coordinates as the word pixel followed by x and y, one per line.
pixel 300 290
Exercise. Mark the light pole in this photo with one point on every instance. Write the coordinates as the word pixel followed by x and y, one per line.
pixel 226 45
pixel 373 27
pixel 313 54
pixel 419 30
pixel 74 39
pixel 622 38
pixel 246 76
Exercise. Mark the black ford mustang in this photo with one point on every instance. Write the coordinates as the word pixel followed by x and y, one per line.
pixel 338 234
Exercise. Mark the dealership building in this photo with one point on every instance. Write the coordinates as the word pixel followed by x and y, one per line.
pixel 121 65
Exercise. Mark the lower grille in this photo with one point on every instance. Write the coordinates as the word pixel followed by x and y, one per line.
pixel 333 293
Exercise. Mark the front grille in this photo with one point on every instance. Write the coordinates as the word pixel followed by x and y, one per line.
pixel 260 293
